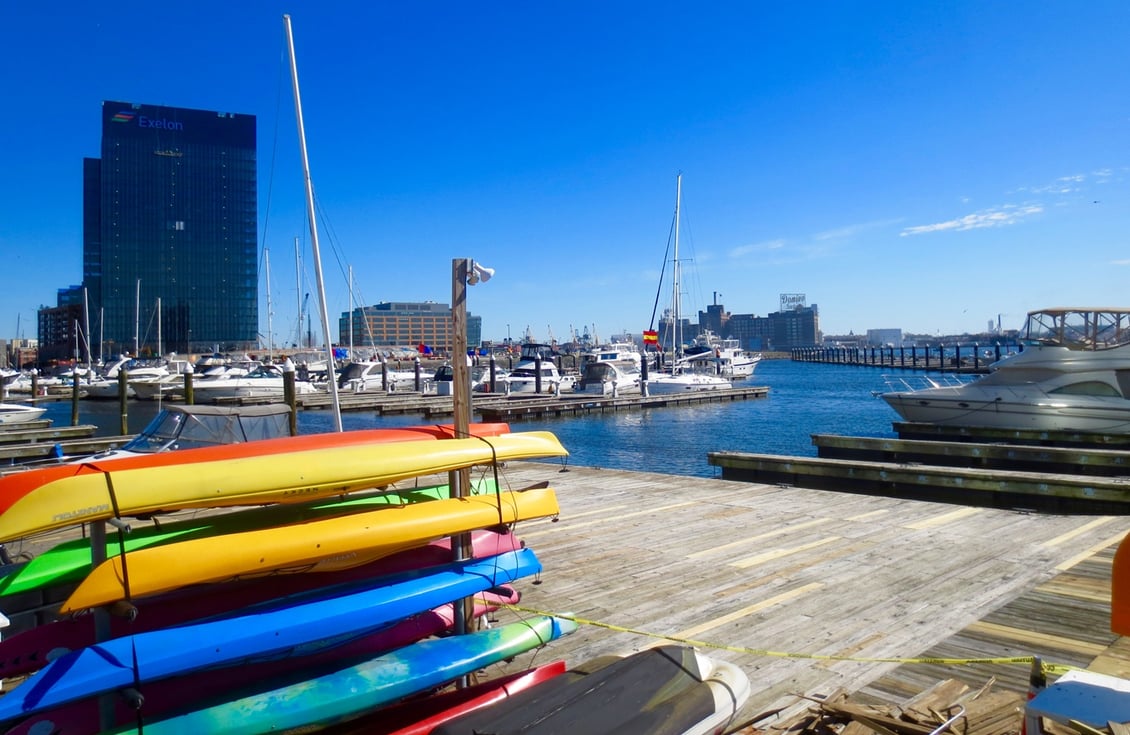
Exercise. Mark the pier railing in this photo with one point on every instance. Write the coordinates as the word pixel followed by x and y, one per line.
pixel 970 358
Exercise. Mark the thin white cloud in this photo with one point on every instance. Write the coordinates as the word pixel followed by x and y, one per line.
pixel 1124 261
pixel 849 231
pixel 759 247
pixel 1000 217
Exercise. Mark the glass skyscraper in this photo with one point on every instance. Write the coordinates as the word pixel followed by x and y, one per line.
pixel 169 213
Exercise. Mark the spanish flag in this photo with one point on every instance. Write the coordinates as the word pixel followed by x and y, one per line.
pixel 650 337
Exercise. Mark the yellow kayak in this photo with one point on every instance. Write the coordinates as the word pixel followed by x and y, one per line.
pixel 256 480
pixel 316 546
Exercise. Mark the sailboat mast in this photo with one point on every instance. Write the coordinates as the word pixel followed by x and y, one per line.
pixel 137 320
pixel 270 343
pixel 86 327
pixel 159 326
pixel 313 228
pixel 351 312
pixel 676 336
pixel 298 288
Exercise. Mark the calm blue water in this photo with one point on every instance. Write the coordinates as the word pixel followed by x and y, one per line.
pixel 804 399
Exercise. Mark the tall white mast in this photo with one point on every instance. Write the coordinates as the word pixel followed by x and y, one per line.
pixel 267 265
pixel 159 353
pixel 298 286
pixel 675 336
pixel 137 321
pixel 351 313
pixel 86 328
pixel 313 229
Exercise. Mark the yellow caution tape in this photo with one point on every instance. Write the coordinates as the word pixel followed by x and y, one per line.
pixel 1057 669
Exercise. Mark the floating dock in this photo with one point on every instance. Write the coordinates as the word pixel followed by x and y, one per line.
pixel 514 407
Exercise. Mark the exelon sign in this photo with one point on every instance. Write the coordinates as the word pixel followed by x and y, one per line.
pixel 144 121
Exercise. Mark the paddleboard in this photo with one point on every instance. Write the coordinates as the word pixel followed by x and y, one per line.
pixel 32 649
pixel 165 697
pixel 90 493
pixel 667 690
pixel 315 546
pixel 339 695
pixel 70 561
pixel 339 614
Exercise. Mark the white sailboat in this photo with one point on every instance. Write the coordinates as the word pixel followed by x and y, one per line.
pixel 679 380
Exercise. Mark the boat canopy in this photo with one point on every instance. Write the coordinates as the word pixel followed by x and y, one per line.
pixel 191 427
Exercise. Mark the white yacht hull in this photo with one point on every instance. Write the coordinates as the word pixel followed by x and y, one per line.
pixel 1043 388
pixel 684 383
pixel 16 413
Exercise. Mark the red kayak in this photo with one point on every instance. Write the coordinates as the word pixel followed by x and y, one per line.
pixel 16 486
pixel 420 716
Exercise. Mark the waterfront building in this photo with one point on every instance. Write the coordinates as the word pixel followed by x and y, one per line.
pixel 798 325
pixel 169 213
pixel 390 325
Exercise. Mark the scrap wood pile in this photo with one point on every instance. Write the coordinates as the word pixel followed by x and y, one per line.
pixel 978 712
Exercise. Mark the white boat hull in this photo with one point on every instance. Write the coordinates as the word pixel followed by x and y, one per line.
pixel 685 383
pixel 16 413
pixel 1043 388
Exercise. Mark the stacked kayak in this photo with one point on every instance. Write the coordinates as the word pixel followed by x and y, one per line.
pixel 245 620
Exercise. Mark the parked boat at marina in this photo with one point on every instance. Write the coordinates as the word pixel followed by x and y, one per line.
pixel 535 369
pixel 18 413
pixel 265 380
pixel 614 378
pixel 375 377
pixel 680 378
pixel 1073 374
pixel 720 356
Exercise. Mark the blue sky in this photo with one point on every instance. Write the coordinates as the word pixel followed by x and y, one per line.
pixel 927 166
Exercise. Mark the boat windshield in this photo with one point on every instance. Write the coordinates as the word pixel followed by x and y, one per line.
pixel 1078 328
pixel 181 430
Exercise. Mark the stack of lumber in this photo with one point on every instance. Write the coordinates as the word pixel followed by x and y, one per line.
pixel 986 712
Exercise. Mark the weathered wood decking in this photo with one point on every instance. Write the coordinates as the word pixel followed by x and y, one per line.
pixel 774 574
pixel 783 578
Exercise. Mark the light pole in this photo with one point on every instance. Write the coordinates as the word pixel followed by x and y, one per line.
pixel 464 272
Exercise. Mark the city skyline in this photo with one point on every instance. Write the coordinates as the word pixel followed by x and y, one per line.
pixel 919 167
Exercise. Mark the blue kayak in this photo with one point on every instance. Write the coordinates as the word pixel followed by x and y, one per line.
pixel 343 694
pixel 310 623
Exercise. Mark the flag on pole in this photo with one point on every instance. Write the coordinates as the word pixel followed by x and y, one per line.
pixel 650 337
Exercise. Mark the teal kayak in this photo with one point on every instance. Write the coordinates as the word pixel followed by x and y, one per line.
pixel 346 693
pixel 69 562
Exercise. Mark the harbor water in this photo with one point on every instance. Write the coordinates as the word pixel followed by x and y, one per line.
pixel 803 399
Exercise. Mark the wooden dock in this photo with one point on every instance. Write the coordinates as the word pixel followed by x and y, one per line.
pixel 1026 457
pixel 515 407
pixel 805 590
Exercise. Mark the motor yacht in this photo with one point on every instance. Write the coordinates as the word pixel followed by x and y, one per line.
pixel 610 378
pixel 536 369
pixel 18 413
pixel 265 380
pixel 1072 374
pixel 720 356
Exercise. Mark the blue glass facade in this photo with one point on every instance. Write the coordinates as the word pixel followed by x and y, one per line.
pixel 170 214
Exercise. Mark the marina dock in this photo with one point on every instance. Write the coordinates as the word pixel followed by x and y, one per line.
pixel 514 407
pixel 784 581
pixel 807 590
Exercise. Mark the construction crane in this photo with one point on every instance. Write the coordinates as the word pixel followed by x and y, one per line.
pixel 304 313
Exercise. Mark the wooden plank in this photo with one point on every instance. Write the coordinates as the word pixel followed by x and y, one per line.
pixel 996 488
pixel 1075 460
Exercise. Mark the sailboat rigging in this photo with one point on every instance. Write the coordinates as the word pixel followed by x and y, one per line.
pixel 679 380
pixel 313 228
